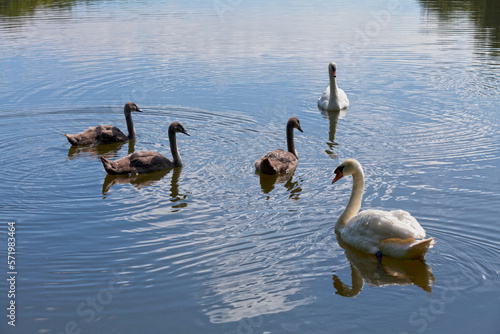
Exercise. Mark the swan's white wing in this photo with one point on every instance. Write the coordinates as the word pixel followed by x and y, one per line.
pixel 325 98
pixel 343 100
pixel 406 221
pixel 368 228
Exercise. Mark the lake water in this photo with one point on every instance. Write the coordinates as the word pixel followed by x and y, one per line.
pixel 212 247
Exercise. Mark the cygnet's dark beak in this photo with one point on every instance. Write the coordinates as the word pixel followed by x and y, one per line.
pixel 139 110
pixel 299 128
pixel 185 132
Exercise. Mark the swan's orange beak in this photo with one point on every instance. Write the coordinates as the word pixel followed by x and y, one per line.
pixel 338 176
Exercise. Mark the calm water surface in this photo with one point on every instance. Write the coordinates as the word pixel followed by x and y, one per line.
pixel 212 247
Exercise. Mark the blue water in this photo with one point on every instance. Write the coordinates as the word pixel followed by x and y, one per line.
pixel 212 247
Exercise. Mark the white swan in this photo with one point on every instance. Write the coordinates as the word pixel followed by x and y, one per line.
pixel 392 233
pixel 333 98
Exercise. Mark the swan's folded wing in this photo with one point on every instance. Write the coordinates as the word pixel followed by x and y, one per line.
pixel 149 160
pixel 87 137
pixel 279 162
pixel 281 156
pixel 325 97
pixel 343 98
pixel 141 158
pixel 110 134
pixel 405 220
pixel 380 225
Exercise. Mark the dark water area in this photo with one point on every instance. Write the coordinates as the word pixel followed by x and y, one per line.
pixel 212 247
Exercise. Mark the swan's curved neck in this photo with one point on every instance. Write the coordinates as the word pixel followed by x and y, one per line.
pixel 289 140
pixel 334 90
pixel 173 148
pixel 130 125
pixel 354 204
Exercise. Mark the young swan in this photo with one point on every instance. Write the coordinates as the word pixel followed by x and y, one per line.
pixel 333 98
pixel 279 161
pixel 147 161
pixel 392 233
pixel 106 134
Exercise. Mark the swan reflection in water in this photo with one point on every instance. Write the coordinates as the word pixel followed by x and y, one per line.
pixel 386 272
pixel 268 182
pixel 107 150
pixel 144 180
pixel 333 118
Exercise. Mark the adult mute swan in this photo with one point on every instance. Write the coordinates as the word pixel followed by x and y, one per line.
pixel 147 161
pixel 333 98
pixel 279 161
pixel 392 233
pixel 106 134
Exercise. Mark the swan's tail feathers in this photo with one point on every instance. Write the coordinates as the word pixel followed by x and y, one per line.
pixel 266 167
pixel 71 139
pixel 420 248
pixel 109 166
pixel 408 249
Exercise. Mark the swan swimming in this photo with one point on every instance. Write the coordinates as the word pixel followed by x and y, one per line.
pixel 393 233
pixel 147 161
pixel 333 98
pixel 280 161
pixel 106 134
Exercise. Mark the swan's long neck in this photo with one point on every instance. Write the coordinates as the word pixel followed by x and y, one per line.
pixel 354 204
pixel 334 90
pixel 289 140
pixel 130 125
pixel 173 148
